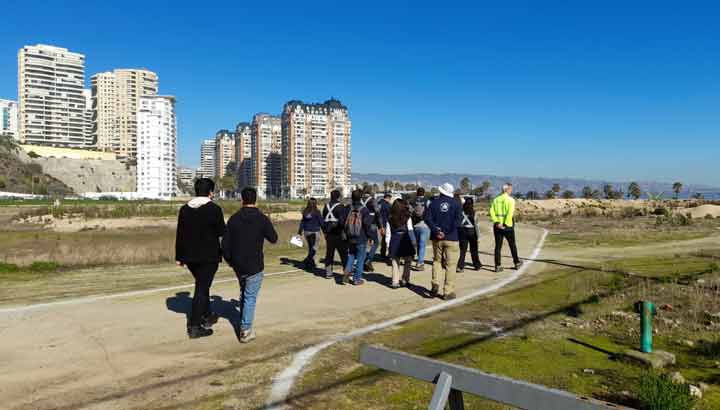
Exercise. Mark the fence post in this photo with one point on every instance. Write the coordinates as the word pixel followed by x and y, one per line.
pixel 442 392
pixel 456 400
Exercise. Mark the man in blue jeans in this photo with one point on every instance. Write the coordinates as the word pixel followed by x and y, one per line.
pixel 358 225
pixel 242 246
pixel 422 232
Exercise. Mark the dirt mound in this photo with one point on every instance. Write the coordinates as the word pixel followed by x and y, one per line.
pixel 703 210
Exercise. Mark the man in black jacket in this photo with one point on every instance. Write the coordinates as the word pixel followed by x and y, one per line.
pixel 197 246
pixel 333 225
pixel 242 248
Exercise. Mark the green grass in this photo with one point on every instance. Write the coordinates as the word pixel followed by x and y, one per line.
pixel 539 347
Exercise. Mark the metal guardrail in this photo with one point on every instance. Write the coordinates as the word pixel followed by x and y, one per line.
pixel 452 381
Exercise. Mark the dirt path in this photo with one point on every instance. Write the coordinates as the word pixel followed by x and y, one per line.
pixel 132 352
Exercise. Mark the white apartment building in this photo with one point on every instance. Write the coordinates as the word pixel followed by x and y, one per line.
pixel 156 144
pixel 207 159
pixel 50 94
pixel 115 99
pixel 186 176
pixel 243 153
pixel 9 118
pixel 266 146
pixel 88 114
pixel 316 140
pixel 225 152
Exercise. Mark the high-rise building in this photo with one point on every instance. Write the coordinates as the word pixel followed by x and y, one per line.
pixel 156 144
pixel 50 93
pixel 207 159
pixel 116 95
pixel 266 140
pixel 225 152
pixel 315 149
pixel 243 153
pixel 8 119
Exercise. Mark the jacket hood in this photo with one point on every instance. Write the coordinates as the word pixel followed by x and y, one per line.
pixel 198 201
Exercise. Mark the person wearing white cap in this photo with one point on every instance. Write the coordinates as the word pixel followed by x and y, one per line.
pixel 444 217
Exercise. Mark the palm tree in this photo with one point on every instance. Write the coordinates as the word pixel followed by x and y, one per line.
pixel 677 187
pixel 568 194
pixel 485 186
pixel 634 190
pixel 587 192
pixel 465 185
pixel 550 194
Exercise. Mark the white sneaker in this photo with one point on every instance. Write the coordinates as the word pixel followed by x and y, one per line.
pixel 247 336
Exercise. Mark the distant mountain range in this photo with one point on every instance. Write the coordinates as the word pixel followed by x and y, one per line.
pixel 538 184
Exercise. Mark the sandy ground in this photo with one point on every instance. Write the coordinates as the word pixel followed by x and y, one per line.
pixel 703 210
pixel 133 353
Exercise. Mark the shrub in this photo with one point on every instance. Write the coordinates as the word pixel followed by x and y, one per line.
pixel 709 216
pixel 660 392
pixel 43 266
pixel 661 211
pixel 33 155
pixel 8 267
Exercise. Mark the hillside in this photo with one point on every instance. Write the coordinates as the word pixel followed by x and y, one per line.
pixel 18 176
pixel 538 184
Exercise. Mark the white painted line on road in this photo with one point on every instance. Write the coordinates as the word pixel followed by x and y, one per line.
pixel 283 383
pixel 96 298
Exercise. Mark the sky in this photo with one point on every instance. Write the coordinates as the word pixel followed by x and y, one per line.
pixel 612 90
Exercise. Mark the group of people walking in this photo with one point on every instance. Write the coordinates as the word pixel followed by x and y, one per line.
pixel 402 229
pixel 399 228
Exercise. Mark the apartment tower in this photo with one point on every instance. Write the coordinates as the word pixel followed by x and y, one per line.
pixel 315 149
pixel 265 142
pixel 50 93
pixel 156 144
pixel 225 152
pixel 9 119
pixel 207 159
pixel 116 95
pixel 243 153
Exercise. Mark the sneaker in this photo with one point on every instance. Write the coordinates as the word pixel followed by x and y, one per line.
pixel 358 282
pixel 420 267
pixel 459 270
pixel 518 264
pixel 346 279
pixel 434 291
pixel 395 286
pixel 210 319
pixel 247 336
pixel 198 331
pixel 478 267
pixel 404 283
pixel 329 272
pixel 369 267
pixel 450 296
pixel 498 269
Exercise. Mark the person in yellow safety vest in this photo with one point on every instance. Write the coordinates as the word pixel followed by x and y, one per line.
pixel 502 211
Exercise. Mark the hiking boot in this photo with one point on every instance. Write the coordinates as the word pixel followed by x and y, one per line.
pixel 450 296
pixel 434 291
pixel 247 336
pixel 209 320
pixel 498 269
pixel 198 331
pixel 329 272
pixel 518 264
pixel 358 282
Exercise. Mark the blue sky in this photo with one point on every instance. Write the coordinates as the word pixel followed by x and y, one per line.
pixel 615 90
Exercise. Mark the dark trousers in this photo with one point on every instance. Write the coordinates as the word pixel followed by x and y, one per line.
pixel 509 234
pixel 204 274
pixel 333 243
pixel 312 239
pixel 472 241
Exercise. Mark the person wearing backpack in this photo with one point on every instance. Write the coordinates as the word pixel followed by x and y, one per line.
pixel 402 242
pixel 422 232
pixel 377 232
pixel 469 236
pixel 242 244
pixel 443 217
pixel 357 232
pixel 310 226
pixel 200 226
pixel 333 226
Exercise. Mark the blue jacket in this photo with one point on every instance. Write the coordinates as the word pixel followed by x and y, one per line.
pixel 444 215
pixel 384 211
pixel 311 222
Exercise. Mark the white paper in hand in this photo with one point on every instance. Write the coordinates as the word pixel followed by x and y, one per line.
pixel 296 240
